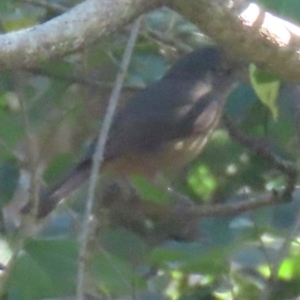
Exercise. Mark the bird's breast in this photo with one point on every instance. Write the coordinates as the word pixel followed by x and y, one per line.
pixel 170 156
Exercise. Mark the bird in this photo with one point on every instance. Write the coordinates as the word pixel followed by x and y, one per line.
pixel 161 128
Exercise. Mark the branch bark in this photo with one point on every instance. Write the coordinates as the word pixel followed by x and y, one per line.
pixel 244 30
pixel 69 32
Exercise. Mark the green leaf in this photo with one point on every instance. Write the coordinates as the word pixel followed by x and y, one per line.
pixel 125 244
pixel 213 263
pixel 114 275
pixel 145 67
pixel 164 256
pixel 148 191
pixel 59 165
pixel 266 87
pixel 28 281
pixel 46 268
pixel 21 23
pixel 10 131
pixel 202 181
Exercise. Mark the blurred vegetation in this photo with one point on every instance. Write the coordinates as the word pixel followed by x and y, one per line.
pixel 215 258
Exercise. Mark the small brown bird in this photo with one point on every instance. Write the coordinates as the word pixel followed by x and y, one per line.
pixel 162 127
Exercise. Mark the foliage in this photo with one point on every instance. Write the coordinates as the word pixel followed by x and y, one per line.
pixel 138 251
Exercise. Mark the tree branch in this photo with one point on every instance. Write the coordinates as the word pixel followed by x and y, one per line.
pixel 264 39
pixel 231 209
pixel 245 30
pixel 69 32
pixel 98 157
pixel 263 149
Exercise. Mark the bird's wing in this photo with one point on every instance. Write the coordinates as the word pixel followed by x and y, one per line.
pixel 157 115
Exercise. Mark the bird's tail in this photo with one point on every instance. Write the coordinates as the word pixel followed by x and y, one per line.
pixel 50 197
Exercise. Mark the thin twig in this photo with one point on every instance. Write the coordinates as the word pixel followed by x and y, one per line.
pixel 29 149
pixel 165 40
pixel 262 149
pixel 230 209
pixel 49 6
pixel 80 79
pixel 98 157
pixel 287 168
